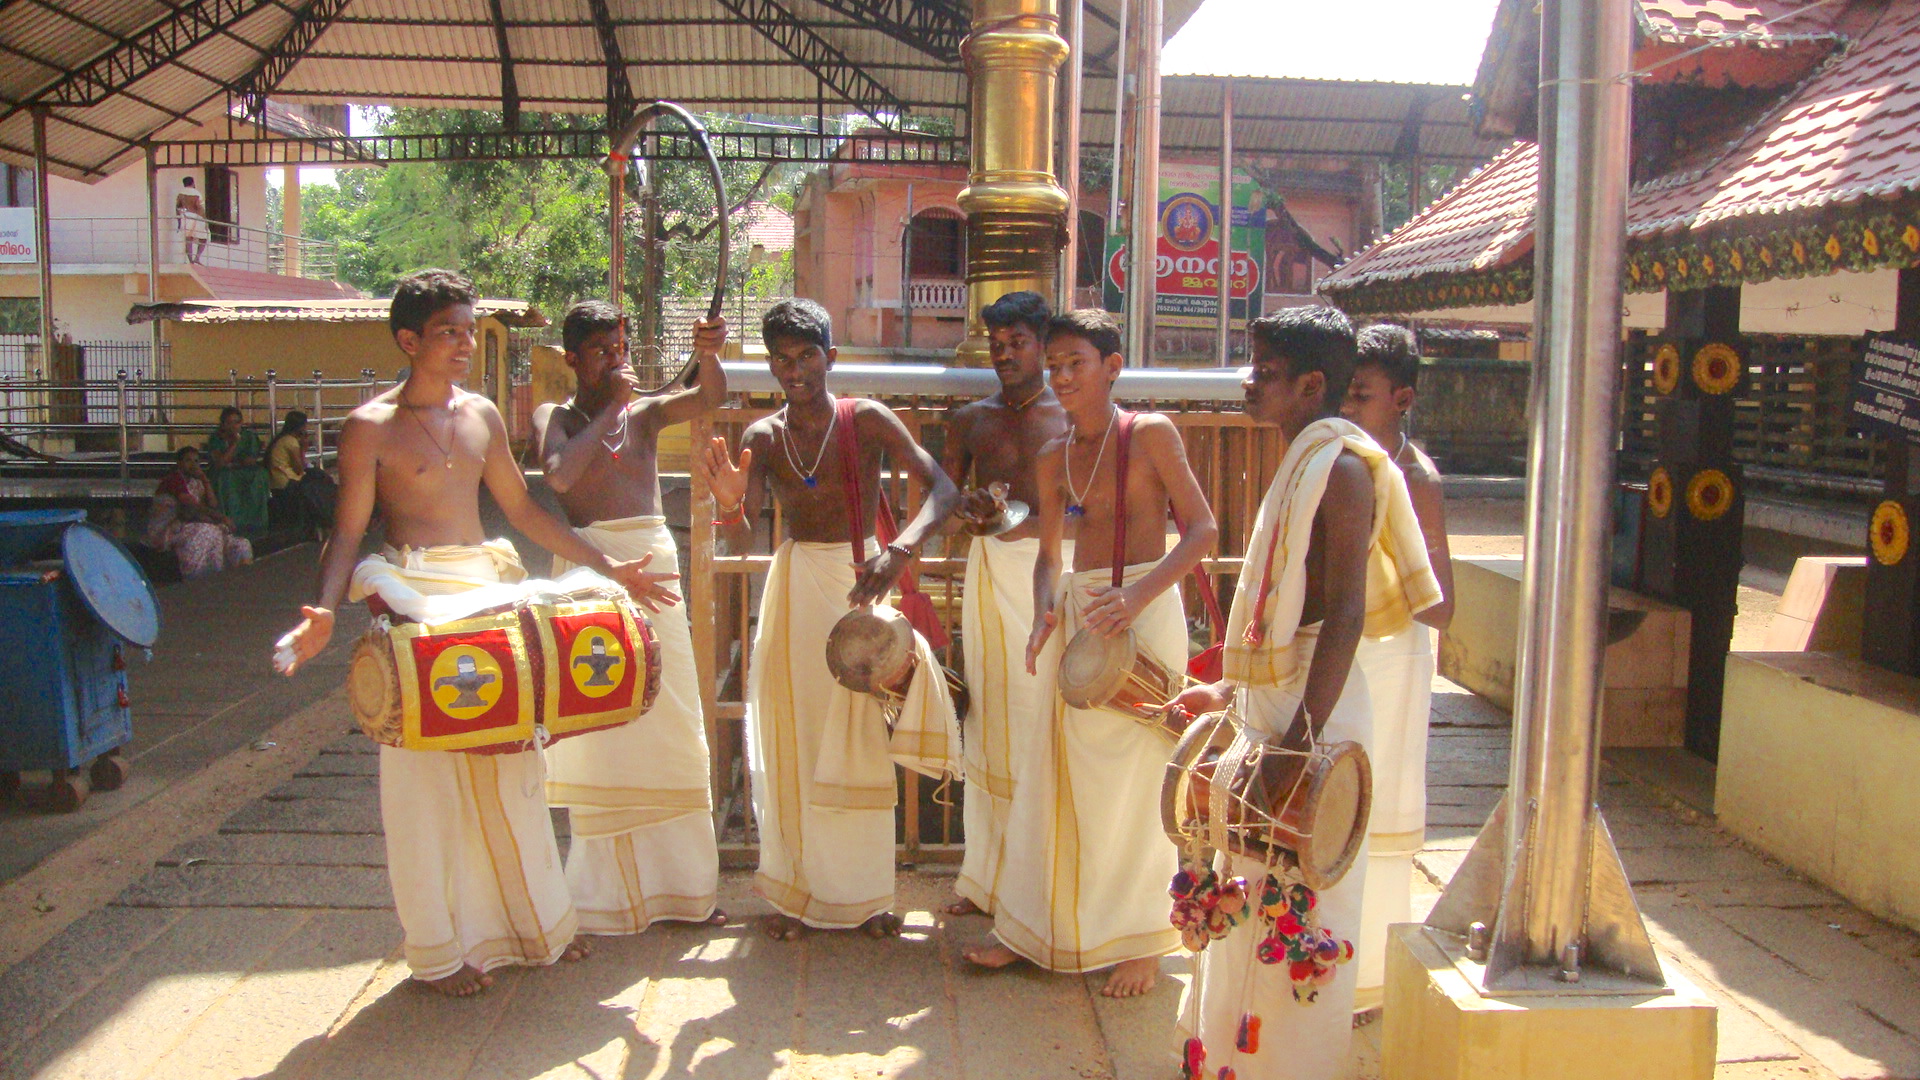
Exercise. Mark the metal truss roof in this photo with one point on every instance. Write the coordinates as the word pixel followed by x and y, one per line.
pixel 116 74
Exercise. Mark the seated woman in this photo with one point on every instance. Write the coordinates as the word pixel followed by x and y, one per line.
pixel 239 481
pixel 286 466
pixel 187 521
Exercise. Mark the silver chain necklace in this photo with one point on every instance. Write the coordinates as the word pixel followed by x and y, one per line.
pixel 786 443
pixel 1077 507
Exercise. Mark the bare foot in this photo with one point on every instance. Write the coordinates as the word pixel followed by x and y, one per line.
pixel 1133 978
pixel 784 928
pixel 989 954
pixel 718 918
pixel 466 982
pixel 963 906
pixel 1365 1016
pixel 884 925
pixel 577 949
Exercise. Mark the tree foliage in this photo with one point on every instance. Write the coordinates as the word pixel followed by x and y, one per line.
pixel 532 230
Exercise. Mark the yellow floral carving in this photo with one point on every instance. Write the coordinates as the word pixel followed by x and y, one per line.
pixel 1716 368
pixel 1660 493
pixel 1709 494
pixel 1833 247
pixel 1870 241
pixel 1911 238
pixel 1734 260
pixel 1799 252
pixel 1666 369
pixel 1890 533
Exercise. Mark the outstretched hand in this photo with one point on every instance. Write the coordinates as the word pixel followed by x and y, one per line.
pixel 724 477
pixel 644 586
pixel 303 642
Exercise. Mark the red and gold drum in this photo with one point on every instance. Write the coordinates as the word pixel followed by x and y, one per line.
pixel 505 680
pixel 1098 672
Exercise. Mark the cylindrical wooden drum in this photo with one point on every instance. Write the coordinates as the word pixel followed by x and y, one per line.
pixel 872 651
pixel 1310 807
pixel 505 680
pixel 1115 673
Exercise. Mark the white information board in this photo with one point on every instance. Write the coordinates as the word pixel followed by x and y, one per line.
pixel 16 235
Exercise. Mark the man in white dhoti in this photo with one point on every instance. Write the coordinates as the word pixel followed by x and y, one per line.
pixel 190 220
pixel 476 873
pixel 1399 667
pixel 638 796
pixel 997 440
pixel 819 756
pixel 1335 552
pixel 1083 883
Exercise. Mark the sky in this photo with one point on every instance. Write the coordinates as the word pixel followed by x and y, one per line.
pixel 1421 41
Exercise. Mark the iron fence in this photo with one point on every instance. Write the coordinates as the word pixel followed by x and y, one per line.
pixel 122 241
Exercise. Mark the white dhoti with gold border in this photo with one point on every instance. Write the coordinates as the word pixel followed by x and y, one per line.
pixel 470 849
pixel 637 796
pixel 1007 713
pixel 1084 878
pixel 1399 672
pixel 821 757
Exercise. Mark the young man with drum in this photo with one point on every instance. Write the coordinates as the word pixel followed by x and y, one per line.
pixel 1399 668
pixel 638 796
pixel 997 440
pixel 821 756
pixel 1084 883
pixel 1335 552
pixel 470 849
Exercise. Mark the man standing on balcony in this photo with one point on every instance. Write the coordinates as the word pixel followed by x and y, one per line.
pixel 998 439
pixel 820 756
pixel 638 795
pixel 190 219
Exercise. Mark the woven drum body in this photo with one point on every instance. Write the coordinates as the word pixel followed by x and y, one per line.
pixel 1310 808
pixel 373 688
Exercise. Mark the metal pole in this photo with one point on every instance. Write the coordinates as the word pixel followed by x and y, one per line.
pixel 1580 234
pixel 1069 168
pixel 43 237
pixel 616 227
pixel 153 260
pixel 1143 241
pixel 120 388
pixel 1119 120
pixel 1226 223
pixel 906 275
pixel 319 420
pixel 273 398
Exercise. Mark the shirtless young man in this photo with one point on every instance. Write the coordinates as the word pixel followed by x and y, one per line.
pixel 1299 611
pixel 190 219
pixel 826 828
pixel 419 453
pixel 1084 884
pixel 638 796
pixel 1399 668
pixel 997 440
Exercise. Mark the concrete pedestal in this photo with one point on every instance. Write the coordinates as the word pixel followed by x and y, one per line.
pixel 1437 1026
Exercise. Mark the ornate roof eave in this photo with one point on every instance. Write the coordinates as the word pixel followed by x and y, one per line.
pixel 1809 241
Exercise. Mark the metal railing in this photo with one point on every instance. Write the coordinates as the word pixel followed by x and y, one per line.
pixel 122 241
pixel 58 418
pixel 1233 460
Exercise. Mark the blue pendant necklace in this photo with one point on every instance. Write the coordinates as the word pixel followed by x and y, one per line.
pixel 1077 506
pixel 786 443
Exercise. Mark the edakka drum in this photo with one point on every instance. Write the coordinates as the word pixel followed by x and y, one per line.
pixel 872 650
pixel 1308 806
pixel 1099 672
pixel 505 680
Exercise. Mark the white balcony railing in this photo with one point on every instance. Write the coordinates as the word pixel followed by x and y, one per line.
pixel 938 295
pixel 122 241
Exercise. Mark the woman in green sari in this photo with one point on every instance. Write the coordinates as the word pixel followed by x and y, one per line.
pixel 239 479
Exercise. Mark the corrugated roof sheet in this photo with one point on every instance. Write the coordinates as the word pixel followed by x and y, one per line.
pixel 1851 132
pixel 1762 21
pixel 511 312
pixel 445 52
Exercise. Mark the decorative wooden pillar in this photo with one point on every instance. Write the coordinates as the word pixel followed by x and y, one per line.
pixel 1696 497
pixel 1890 631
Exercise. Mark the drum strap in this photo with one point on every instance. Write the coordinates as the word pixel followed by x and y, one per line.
pixel 1256 631
pixel 1206 666
pixel 1123 438
pixel 916 607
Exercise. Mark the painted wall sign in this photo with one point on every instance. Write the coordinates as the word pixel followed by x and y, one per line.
pixel 1885 395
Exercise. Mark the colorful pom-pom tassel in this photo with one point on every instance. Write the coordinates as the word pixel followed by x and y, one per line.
pixel 1248 1040
pixel 1226 1072
pixel 1196 1060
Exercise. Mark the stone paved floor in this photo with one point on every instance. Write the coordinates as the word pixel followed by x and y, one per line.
pixel 242 928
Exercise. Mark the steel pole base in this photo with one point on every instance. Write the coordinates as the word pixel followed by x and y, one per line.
pixel 1480 903
pixel 1439 1025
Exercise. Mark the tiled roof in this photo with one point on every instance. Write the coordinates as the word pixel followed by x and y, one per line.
pixel 511 312
pixel 1762 21
pixel 767 226
pixel 1851 132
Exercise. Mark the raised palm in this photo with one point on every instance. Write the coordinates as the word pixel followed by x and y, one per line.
pixel 726 478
